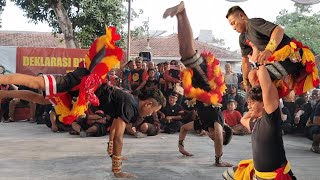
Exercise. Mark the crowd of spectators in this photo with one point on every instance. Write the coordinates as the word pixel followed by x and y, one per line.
pixel 300 114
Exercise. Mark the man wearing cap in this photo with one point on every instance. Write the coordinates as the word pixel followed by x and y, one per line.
pixel 172 115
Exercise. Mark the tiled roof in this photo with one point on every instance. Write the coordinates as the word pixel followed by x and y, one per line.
pixel 162 46
pixel 30 39
pixel 168 47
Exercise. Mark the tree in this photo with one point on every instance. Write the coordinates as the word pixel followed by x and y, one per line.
pixel 302 24
pixel 218 42
pixel 81 21
pixel 2 4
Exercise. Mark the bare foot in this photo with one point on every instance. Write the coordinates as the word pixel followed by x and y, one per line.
pixel 173 10
pixel 124 175
pixel 183 151
pixel 54 127
pixel 223 164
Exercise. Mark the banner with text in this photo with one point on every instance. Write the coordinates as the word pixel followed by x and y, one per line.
pixel 48 60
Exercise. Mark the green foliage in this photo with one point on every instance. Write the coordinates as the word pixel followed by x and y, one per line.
pixel 88 17
pixel 303 25
pixel 2 4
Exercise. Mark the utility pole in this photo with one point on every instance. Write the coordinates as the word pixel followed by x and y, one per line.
pixel 129 34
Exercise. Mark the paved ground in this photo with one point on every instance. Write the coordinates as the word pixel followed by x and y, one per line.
pixel 30 151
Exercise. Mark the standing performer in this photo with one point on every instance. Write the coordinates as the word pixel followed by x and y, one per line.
pixel 101 57
pixel 264 120
pixel 287 60
pixel 203 81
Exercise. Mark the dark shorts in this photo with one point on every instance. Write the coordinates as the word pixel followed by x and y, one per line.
pixel 208 115
pixel 101 128
pixel 55 84
pixel 63 127
pixel 152 130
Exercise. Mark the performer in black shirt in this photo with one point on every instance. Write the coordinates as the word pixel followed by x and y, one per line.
pixel 289 62
pixel 264 120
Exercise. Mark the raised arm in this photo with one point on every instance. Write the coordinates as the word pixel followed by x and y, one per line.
pixel 269 91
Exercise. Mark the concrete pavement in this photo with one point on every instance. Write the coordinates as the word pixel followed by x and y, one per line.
pixel 33 152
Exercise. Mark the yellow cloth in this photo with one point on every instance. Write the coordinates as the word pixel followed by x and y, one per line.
pixel 244 170
pixel 272 175
pixel 246 167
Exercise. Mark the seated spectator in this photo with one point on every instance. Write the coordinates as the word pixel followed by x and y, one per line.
pixel 300 116
pixel 313 124
pixel 287 122
pixel 152 83
pixel 91 125
pixel 232 117
pixel 171 115
pixel 232 94
pixel 148 126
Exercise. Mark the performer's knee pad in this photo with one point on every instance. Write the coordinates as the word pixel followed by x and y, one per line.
pixel 199 68
pixel 227 134
pixel 228 174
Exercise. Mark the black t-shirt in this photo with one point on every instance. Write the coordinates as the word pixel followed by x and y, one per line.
pixel 259 32
pixel 117 103
pixel 137 78
pixel 169 110
pixel 267 143
pixel 152 84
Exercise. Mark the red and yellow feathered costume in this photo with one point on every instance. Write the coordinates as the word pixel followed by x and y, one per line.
pixel 215 81
pixel 301 85
pixel 70 111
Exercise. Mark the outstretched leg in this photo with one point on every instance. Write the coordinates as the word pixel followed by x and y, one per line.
pixel 34 82
pixel 187 50
pixel 185 35
pixel 25 95
pixel 182 135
